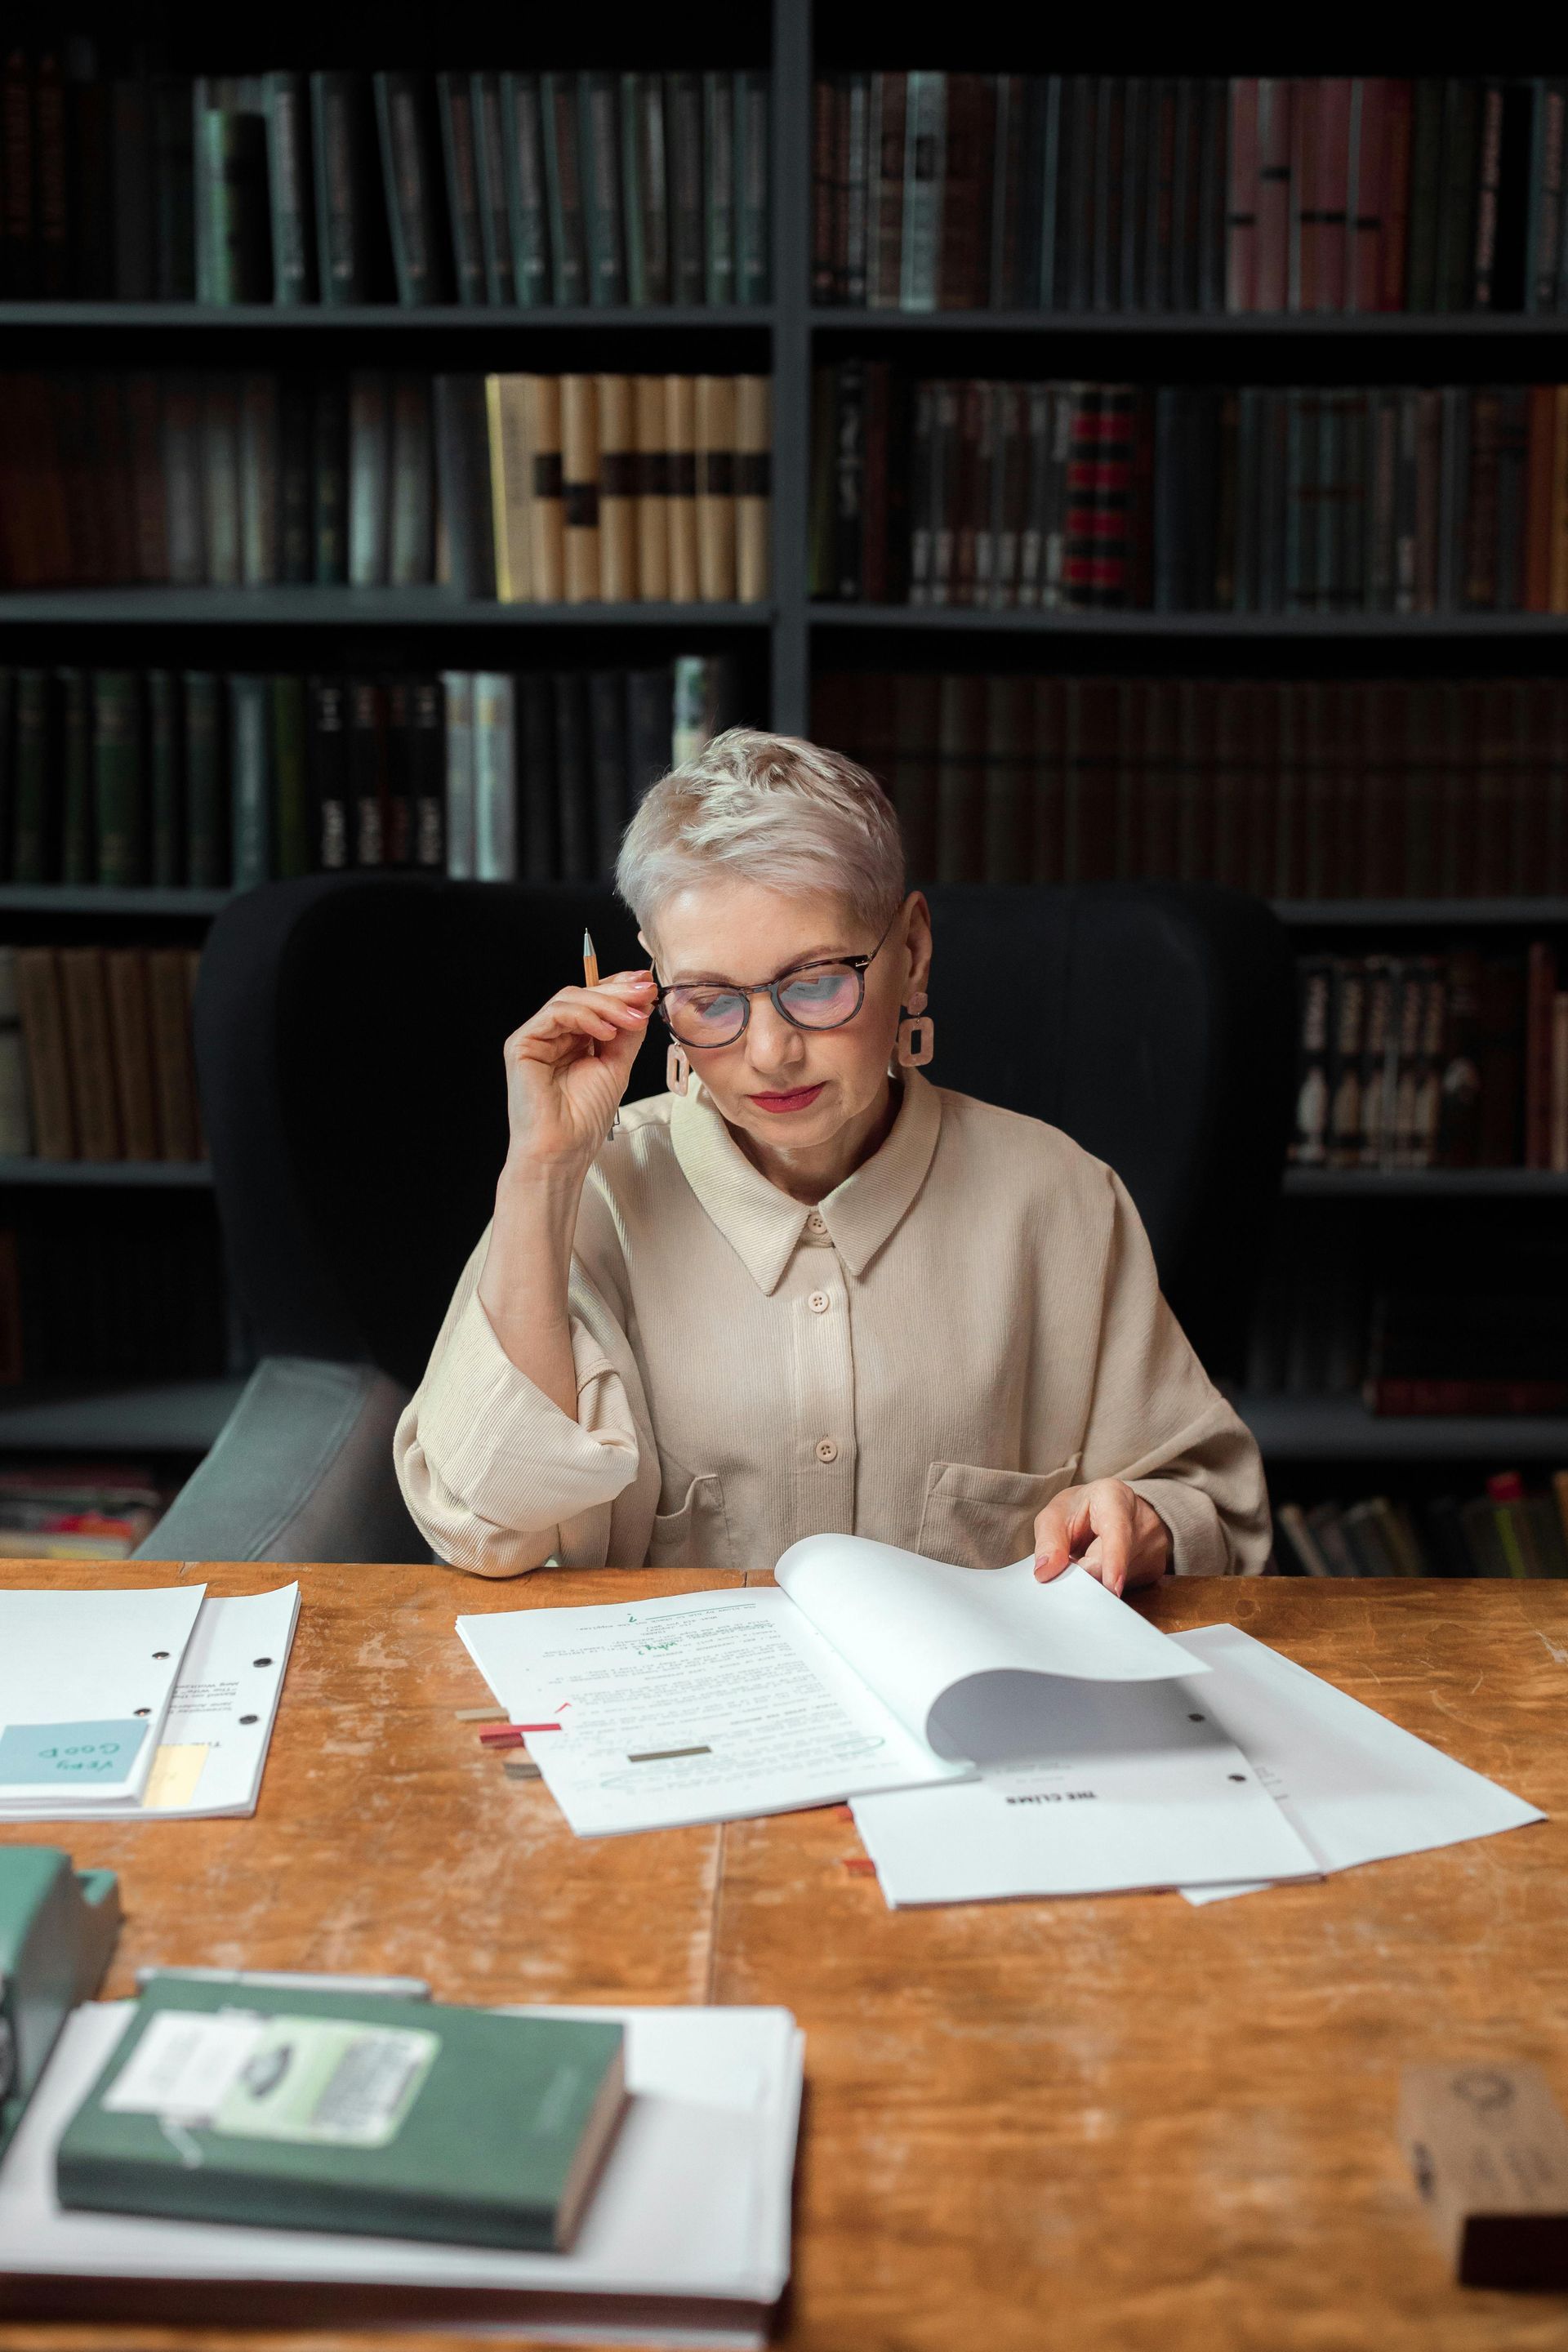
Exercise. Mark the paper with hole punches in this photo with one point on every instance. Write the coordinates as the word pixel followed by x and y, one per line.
pixel 96 1660
pixel 71 1755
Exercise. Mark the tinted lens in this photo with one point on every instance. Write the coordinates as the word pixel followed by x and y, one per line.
pixel 823 997
pixel 706 1016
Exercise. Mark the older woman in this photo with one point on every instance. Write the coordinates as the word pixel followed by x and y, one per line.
pixel 805 1290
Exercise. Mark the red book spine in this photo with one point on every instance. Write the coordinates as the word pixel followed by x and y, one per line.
pixel 1398 105
pixel 1241 205
pixel 1333 189
pixel 1394 1398
pixel 1304 196
pixel 1272 278
pixel 1369 132
pixel 823 190
pixel 965 214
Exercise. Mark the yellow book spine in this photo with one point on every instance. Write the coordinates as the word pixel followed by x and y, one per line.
pixel 753 502
pixel 510 489
pixel 680 428
pixel 580 486
pixel 617 491
pixel 716 488
pixel 653 490
pixel 541 408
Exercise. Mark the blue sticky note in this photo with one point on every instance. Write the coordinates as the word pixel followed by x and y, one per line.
pixel 69 1754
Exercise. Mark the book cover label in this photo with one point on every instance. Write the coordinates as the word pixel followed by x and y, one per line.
pixel 313 2080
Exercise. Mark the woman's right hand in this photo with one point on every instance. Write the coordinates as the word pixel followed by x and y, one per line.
pixel 567 1068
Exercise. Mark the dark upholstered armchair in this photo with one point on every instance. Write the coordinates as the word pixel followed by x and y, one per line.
pixel 348 1033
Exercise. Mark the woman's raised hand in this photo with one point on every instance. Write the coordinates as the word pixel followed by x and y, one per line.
pixel 568 1068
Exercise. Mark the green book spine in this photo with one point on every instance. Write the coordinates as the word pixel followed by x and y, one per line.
pixel 526 188
pixel 118 780
pixel 495 200
pixel 7 767
pixel 408 172
pixel 220 480
pixel 925 172
pixel 232 166
pixel 164 777
pixel 330 508
pixel 719 186
pixel 207 816
pixel 753 267
pixel 289 186
pixel 634 184
pixel 460 147
pixel 339 141
pixel 683 133
pixel 378 2116
pixel 599 152
pixel 293 811
pixel 30 845
pixel 1425 166
pixel 76 845
pixel 564 189
pixel 250 772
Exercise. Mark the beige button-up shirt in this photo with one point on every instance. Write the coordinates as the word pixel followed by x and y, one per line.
pixel 969 1323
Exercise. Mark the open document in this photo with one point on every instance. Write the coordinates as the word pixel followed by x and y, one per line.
pixel 1354 1786
pixel 713 1705
pixel 685 2239
pixel 86 1679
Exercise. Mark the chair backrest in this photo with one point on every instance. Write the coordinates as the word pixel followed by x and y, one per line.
pixel 349 1029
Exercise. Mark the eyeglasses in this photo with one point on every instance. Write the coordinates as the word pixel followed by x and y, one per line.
pixel 705 1013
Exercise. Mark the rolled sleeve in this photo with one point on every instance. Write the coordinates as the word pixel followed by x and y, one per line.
pixel 1159 1424
pixel 496 1476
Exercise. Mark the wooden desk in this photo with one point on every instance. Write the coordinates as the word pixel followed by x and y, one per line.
pixel 1100 2125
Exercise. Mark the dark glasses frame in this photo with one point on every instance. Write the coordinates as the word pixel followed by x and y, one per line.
pixel 859 964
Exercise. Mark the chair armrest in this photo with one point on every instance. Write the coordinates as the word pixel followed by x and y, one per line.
pixel 301 1470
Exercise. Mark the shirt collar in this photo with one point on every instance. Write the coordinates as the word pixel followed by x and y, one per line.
pixel 764 1225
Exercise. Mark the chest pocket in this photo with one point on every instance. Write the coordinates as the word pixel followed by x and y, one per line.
pixel 694 1536
pixel 975 1517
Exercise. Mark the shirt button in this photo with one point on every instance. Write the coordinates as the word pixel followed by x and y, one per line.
pixel 816 1225
pixel 819 1302
pixel 825 1450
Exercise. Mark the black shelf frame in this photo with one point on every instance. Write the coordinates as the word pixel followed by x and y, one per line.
pixel 1124 622
pixel 348 608
pixel 1425 1184
pixel 432 318
pixel 100 1175
pixel 1249 326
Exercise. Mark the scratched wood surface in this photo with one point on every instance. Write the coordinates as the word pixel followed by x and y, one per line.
pixel 1113 2123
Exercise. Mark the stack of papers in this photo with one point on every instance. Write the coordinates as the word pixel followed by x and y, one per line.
pixel 1084 1794
pixel 685 2239
pixel 116 1703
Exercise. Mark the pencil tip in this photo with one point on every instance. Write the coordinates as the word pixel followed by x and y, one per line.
pixel 587 941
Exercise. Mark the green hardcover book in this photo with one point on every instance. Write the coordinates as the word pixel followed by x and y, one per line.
pixel 719 186
pixel 564 190
pixel 526 188
pixel 76 813
pixel 250 774
pixel 32 858
pixel 221 504
pixel 206 798
pixel 410 174
pixel 455 99
pixel 683 135
pixel 343 2111
pixel 495 200
pixel 599 152
pixel 645 187
pixel 340 144
pixel 1425 170
pixel 119 797
pixel 292 810
pixel 231 184
pixel 166 780
pixel 754 270
pixel 293 214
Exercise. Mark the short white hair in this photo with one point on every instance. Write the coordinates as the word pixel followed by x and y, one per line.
pixel 774 810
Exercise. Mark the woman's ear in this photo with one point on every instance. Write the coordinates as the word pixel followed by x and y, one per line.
pixel 918 944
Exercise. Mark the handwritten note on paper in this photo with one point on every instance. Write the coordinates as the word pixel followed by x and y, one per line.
pixel 68 1755
pixel 700 1706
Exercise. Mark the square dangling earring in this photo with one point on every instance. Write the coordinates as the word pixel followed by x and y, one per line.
pixel 676 1069
pixel 916 1040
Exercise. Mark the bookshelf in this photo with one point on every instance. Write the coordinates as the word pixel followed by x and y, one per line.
pixel 791 643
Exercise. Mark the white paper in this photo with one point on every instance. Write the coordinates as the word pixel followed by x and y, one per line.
pixel 699 1707
pixel 100 1655
pixel 1355 1787
pixel 212 1750
pixel 1084 1789
pixel 914 1628
pixel 693 2201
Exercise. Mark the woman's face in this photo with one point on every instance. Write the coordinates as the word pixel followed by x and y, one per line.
pixel 794 1089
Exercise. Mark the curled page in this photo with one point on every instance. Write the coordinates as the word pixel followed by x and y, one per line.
pixel 915 1629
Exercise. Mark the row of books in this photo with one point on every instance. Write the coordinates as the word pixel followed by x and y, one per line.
pixel 1506 1531
pixel 575 488
pixel 491 188
pixel 132 1294
pixel 201 780
pixel 1456 1060
pixel 1188 498
pixel 1310 788
pixel 1110 192
pixel 1413 1319
pixel 84 1510
pixel 95 1053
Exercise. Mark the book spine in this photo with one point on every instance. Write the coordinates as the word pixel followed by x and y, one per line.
pixel 1489 188
pixel 411 525
pixel 599 149
pixel 542 432
pixel 220 480
pixel 399 839
pixel 886 228
pixel 647 186
pixel 368 779
pixel 925 172
pixel 370 477
pixel 118 780
pixel 563 187
pixel 427 751
pixel 339 152
pixel 458 687
pixel 754 442
pixel 408 173
pixel 527 189
pixel 42 1014
pixel 618 489
pixel 511 487
pixel 175 1082
pixel 250 769
pixel 330 483
pixel 856 189
pixel 258 483
pixel 131 1050
pixel 292 796
pixel 579 488
pixel 1334 167
pixel 77 861
pixel 575 808
pixel 719 184
pixel 206 782
pixel 715 451
pixel 652 490
pixel 1275 200
pixel 485 100
pixel 753 166
pixel 464 200
pixel 1241 209
pixel 680 420
pixel 166 780
pixel 687 237
pixel 288 186
pixel 174 197
pixel 1399 102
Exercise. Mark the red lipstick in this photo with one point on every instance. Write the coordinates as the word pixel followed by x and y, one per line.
pixel 800 1099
